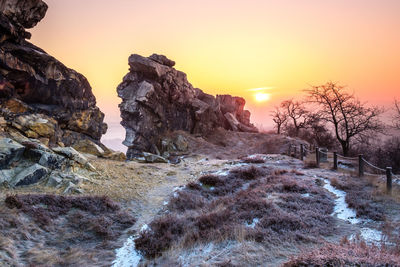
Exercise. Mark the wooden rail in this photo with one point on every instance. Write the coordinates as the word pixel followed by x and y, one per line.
pixel 362 162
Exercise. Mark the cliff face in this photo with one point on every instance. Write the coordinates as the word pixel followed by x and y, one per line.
pixel 33 82
pixel 156 99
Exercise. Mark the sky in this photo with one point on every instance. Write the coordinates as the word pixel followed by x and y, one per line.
pixel 231 46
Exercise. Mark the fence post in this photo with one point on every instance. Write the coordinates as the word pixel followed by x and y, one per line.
pixel 389 179
pixel 335 161
pixel 301 152
pixel 290 150
pixel 317 156
pixel 295 152
pixel 360 166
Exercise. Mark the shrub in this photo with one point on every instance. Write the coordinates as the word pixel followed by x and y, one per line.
pixel 346 254
pixel 254 160
pixel 211 180
pixel 199 214
pixel 248 173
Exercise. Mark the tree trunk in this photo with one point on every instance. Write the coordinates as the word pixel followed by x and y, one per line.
pixel 345 147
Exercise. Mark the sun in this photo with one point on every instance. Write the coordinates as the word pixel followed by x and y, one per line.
pixel 261 97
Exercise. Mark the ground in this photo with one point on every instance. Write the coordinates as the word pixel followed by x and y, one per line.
pixel 149 193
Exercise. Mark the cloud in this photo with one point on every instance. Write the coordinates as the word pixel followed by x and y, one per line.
pixel 260 89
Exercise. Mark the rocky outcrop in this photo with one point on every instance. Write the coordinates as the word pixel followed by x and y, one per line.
pixel 39 96
pixel 157 99
pixel 28 161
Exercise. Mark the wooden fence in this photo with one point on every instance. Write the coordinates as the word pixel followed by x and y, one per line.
pixel 339 161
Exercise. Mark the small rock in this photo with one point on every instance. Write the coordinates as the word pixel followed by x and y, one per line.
pixel 10 151
pixel 114 155
pixel 54 180
pixel 71 188
pixel 89 147
pixel 71 153
pixel 52 161
pixel 6 176
pixel 152 158
pixel 181 143
pixel 30 175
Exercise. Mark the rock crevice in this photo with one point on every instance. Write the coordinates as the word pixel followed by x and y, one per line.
pixel 157 99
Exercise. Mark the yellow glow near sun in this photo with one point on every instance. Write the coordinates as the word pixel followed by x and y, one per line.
pixel 261 97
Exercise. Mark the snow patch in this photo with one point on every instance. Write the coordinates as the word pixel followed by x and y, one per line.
pixel 253 223
pixel 342 211
pixel 127 256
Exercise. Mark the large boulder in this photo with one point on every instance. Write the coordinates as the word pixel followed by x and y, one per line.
pixel 33 82
pixel 157 99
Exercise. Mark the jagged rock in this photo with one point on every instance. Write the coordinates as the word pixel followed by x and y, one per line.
pixel 36 125
pixel 74 155
pixel 33 82
pixel 27 13
pixel 52 161
pixel 10 151
pixel 71 153
pixel 89 147
pixel 151 158
pixel 29 175
pixel 156 99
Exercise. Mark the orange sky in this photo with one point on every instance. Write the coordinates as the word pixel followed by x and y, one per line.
pixel 230 46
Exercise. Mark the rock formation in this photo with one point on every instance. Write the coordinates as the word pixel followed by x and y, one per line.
pixel 39 96
pixel 157 99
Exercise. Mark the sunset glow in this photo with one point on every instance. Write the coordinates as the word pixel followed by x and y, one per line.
pixel 230 46
pixel 261 97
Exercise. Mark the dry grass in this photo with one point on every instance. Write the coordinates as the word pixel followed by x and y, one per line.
pixel 223 208
pixel 346 254
pixel 56 230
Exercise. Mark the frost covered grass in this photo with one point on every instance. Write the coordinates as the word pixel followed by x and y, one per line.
pixel 41 229
pixel 360 196
pixel 346 254
pixel 250 203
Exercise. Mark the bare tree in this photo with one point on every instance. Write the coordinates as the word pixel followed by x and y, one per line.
pixel 280 117
pixel 297 113
pixel 349 116
pixel 396 118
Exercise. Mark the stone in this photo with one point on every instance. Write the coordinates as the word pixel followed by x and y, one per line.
pixel 6 176
pixel 36 125
pixel 72 154
pixel 30 175
pixel 114 155
pixel 162 60
pixel 10 151
pixel 72 189
pixel 158 99
pixel 16 106
pixel 181 143
pixel 152 158
pixel 33 83
pixel 89 147
pixel 52 161
pixel 54 180
pixel 26 13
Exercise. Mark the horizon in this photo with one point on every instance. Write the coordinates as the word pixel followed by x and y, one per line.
pixel 265 52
